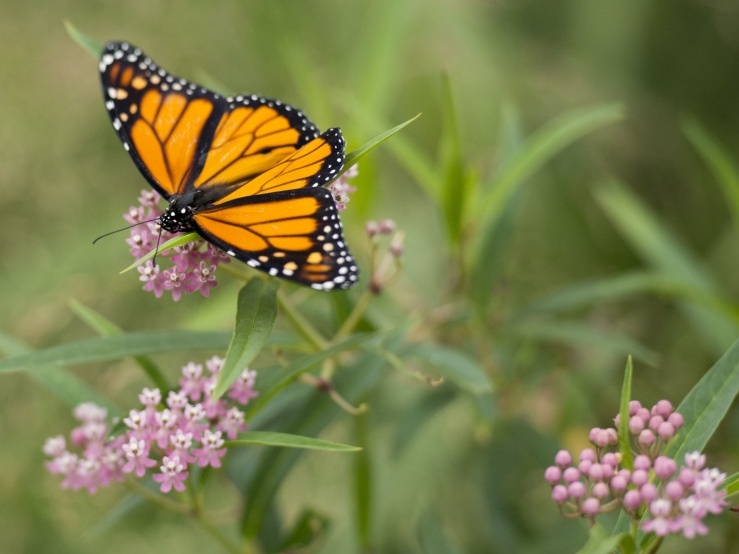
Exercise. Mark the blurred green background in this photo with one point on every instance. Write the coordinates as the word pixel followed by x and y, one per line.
pixel 512 66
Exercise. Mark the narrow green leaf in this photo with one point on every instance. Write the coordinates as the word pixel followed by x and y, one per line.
pixel 538 149
pixel 731 485
pixel 361 152
pixel 706 405
pixel 256 312
pixel 363 483
pixel 105 327
pixel 92 46
pixel 578 333
pixel 99 349
pixel 179 240
pixel 719 160
pixel 600 542
pixel 270 438
pixel 624 446
pixel 454 187
pixel 455 365
pixel 62 384
pixel 543 145
pixel 664 251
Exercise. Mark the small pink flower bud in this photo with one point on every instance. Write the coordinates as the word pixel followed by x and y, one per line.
pixel 619 483
pixel 674 490
pixel 676 420
pixel 584 466
pixel 587 454
pixel 642 462
pixel 634 407
pixel 563 458
pixel 595 472
pixel 570 475
pixel 386 227
pixel 553 474
pixel 610 459
pixel 664 467
pixel 663 408
pixel 647 438
pixel 649 492
pixel 666 431
pixel 600 490
pixel 576 490
pixel 636 425
pixel 591 506
pixel 559 494
pixel 643 413
pixel 632 500
pixel 655 421
pixel 639 477
pixel 371 228
pixel 687 476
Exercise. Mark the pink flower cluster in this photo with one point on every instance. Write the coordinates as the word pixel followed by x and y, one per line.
pixel 676 499
pixel 193 264
pixel 188 429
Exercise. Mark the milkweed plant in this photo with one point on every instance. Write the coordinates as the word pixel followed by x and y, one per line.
pixel 642 481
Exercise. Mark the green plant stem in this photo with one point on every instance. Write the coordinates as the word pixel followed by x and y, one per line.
pixel 300 323
pixel 157 498
pixel 193 511
pixel 353 318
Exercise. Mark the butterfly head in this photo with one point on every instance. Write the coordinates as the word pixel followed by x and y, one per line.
pixel 178 215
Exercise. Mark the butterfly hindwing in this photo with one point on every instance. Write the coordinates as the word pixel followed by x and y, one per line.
pixel 284 222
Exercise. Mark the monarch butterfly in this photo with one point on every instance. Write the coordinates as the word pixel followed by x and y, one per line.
pixel 246 173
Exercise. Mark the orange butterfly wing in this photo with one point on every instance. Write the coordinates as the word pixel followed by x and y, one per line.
pixel 181 135
pixel 258 162
pixel 284 222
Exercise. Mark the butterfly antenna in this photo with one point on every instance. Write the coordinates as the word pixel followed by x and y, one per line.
pixel 126 228
pixel 156 250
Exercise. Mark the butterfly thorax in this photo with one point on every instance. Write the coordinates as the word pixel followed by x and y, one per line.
pixel 178 215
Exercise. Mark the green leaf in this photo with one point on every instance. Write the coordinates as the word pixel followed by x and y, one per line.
pixel 600 542
pixel 624 446
pixel 455 365
pixel 100 349
pixel 593 293
pixel 179 240
pixel 537 150
pixel 719 161
pixel 256 312
pixel 455 185
pixel 270 438
pixel 660 248
pixel 62 384
pixel 107 328
pixel 92 46
pixel 542 146
pixel 363 482
pixel 578 333
pixel 359 153
pixel 706 405
pixel 731 485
